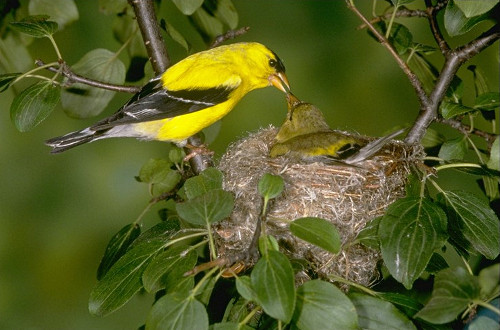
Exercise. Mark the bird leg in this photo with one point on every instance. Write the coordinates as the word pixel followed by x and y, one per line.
pixel 197 150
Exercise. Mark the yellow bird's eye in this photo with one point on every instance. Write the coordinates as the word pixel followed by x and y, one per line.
pixel 272 63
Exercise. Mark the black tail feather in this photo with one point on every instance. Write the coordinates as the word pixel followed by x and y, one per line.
pixel 70 140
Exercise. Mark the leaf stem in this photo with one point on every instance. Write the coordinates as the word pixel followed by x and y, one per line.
pixel 456 165
pixel 203 280
pixel 30 72
pixel 488 306
pixel 211 242
pixel 389 27
pixel 59 56
pixel 356 285
pixel 249 316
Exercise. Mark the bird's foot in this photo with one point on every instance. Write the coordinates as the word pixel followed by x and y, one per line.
pixel 197 150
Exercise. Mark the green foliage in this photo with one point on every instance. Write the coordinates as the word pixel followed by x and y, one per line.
pixel 319 232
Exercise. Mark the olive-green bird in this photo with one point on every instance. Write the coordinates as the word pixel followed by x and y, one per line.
pixel 306 135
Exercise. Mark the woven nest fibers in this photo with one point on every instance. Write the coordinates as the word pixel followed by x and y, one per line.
pixel 347 196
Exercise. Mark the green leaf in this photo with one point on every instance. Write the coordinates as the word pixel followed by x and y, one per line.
pixel 374 313
pixel 207 25
pixel 174 34
pixel 7 79
pixel 36 26
pixel 14 54
pixel 455 21
pixel 63 12
pixel 455 91
pixel 453 290
pixel 411 229
pixel 436 264
pixel 452 109
pixel 488 280
pixel 409 305
pixel 244 287
pixel 472 8
pixel 112 6
pixel 432 138
pixel 425 70
pixel 177 311
pixel 159 175
pixel 471 221
pixel 368 236
pixel 168 268
pixel 487 101
pixel 319 232
pixel 321 305
pixel 208 180
pixel 188 7
pixel 34 105
pixel 83 101
pixel 123 280
pixel 224 10
pixel 398 3
pixel 454 149
pixel 401 38
pixel 480 84
pixel 270 186
pixel 117 247
pixel 274 285
pixel 494 161
pixel 207 208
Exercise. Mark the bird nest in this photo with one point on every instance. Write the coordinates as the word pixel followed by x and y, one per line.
pixel 347 196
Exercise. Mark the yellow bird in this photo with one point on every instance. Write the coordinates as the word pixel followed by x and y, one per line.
pixel 189 96
pixel 306 135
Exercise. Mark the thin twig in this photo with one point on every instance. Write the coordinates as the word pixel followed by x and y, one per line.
pixel 231 34
pixel 402 12
pixel 466 130
pixel 436 31
pixel 72 77
pixel 151 35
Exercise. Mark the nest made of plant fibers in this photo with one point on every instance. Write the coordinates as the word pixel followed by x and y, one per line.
pixel 347 196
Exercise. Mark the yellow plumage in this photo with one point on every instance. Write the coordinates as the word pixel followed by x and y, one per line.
pixel 189 96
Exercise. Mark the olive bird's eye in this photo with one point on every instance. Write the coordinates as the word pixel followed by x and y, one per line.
pixel 272 62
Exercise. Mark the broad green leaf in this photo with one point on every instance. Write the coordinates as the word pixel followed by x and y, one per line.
pixel 480 84
pixel 319 232
pixel 432 138
pixel 472 8
pixel 126 32
pixel 270 186
pixel 488 280
pixel 487 101
pixel 160 176
pixel 14 54
pixel 453 290
pixel 455 91
pixel 112 6
pixel 7 79
pixel 208 180
pixel 409 305
pixel 188 7
pixel 321 305
pixel 436 264
pixel 207 25
pixel 34 105
pixel 453 149
pixel 123 280
pixel 455 21
pixel 207 208
pixel 452 109
pixel 274 285
pixel 470 219
pixel 230 326
pixel 267 243
pixel 244 287
pixel 164 229
pixel 411 229
pixel 368 236
pixel 397 3
pixel 168 267
pixel 175 35
pixel 177 311
pixel 83 101
pixel 176 155
pixel 374 313
pixel 36 26
pixel 425 70
pixel 401 38
pixel 117 247
pixel 63 12
pixel 482 170
pixel 494 161
pixel 224 10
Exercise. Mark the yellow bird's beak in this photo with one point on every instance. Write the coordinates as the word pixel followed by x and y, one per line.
pixel 280 81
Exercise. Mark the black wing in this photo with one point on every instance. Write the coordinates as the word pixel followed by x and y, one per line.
pixel 153 102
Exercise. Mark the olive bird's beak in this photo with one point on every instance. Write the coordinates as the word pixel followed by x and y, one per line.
pixel 280 81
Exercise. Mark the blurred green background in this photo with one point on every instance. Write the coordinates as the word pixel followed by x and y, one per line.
pixel 57 212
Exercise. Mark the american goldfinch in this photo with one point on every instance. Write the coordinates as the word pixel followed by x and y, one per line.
pixel 189 96
pixel 306 135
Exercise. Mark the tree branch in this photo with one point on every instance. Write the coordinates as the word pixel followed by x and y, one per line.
pixel 436 31
pixel 72 77
pixel 231 34
pixel 151 35
pixel 466 130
